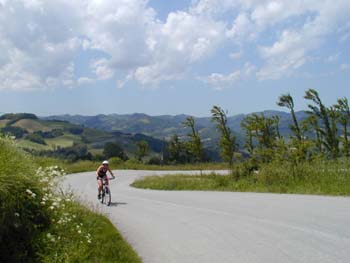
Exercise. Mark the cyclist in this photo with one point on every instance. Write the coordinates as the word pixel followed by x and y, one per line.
pixel 101 175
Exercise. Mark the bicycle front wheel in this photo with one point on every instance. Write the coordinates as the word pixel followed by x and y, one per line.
pixel 108 197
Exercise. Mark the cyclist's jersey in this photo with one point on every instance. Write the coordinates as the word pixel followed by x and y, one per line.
pixel 102 172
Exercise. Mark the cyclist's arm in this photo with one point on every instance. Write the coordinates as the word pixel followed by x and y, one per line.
pixel 110 171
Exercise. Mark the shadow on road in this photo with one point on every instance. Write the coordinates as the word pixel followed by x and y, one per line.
pixel 117 203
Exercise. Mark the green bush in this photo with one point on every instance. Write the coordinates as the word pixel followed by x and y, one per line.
pixel 21 216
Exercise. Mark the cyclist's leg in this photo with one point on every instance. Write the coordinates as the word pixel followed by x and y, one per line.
pixel 99 183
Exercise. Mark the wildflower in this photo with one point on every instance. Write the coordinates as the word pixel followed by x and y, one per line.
pixel 79 231
pixel 29 191
pixel 52 207
pixel 17 214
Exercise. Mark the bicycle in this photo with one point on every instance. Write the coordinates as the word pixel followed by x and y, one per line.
pixel 106 196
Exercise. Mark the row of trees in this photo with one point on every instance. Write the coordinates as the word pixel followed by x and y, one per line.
pixel 192 150
pixel 324 132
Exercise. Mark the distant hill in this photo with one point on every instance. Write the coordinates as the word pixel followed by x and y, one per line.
pixel 37 134
pixel 164 126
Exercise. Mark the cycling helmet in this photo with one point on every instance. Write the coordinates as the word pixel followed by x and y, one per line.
pixel 105 162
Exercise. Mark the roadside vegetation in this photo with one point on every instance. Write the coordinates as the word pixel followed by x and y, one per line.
pixel 40 223
pixel 131 164
pixel 316 177
pixel 313 160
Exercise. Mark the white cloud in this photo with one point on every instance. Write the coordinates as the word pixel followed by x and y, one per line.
pixel 181 41
pixel 291 50
pixel 236 55
pixel 221 81
pixel 37 52
pixel 345 66
pixel 41 41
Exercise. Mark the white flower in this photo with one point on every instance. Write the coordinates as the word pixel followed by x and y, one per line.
pixel 17 214
pixel 29 191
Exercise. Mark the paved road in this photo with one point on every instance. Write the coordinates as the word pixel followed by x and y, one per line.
pixel 219 227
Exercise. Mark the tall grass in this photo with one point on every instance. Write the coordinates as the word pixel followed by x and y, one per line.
pixel 40 224
pixel 316 177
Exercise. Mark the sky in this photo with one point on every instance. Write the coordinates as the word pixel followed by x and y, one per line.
pixel 170 57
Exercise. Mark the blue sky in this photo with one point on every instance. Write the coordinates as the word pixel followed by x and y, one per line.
pixel 170 57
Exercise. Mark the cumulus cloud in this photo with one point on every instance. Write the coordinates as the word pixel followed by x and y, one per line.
pixel 178 43
pixel 41 42
pixel 220 81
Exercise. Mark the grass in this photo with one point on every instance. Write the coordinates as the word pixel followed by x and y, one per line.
pixel 40 224
pixel 318 177
pixel 87 237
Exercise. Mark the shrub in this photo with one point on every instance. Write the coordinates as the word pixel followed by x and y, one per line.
pixel 115 161
pixel 18 132
pixel 155 160
pixel 34 137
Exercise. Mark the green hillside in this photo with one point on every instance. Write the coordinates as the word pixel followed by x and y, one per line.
pixel 165 126
pixel 39 135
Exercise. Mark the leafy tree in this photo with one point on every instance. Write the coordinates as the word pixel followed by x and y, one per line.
pixel 227 142
pixel 311 123
pixel 142 149
pixel 249 126
pixel 327 117
pixel 177 151
pixel 112 149
pixel 195 145
pixel 343 116
pixel 288 102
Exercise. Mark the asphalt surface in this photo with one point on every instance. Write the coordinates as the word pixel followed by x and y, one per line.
pixel 220 227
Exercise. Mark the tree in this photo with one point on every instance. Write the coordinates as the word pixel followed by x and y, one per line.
pixel 249 126
pixel 112 149
pixel 326 116
pixel 177 151
pixel 311 123
pixel 343 116
pixel 195 145
pixel 227 140
pixel 142 149
pixel 288 102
